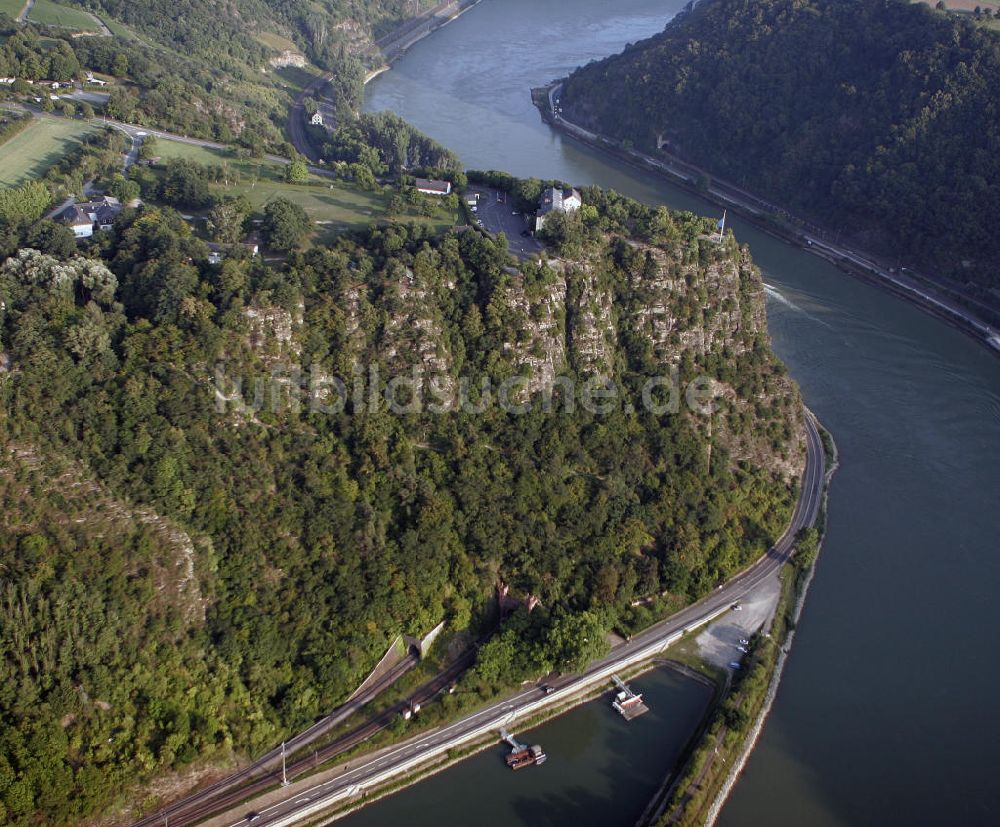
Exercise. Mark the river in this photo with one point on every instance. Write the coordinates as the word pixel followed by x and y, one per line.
pixel 886 714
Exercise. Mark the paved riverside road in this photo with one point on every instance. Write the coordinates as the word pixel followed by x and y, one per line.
pixel 305 804
pixel 214 797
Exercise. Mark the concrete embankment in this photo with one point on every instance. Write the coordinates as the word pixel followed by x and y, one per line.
pixel 396 43
pixel 696 792
pixel 758 726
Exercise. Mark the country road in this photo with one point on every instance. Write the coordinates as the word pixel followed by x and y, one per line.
pixel 303 802
pixel 136 131
pixel 23 16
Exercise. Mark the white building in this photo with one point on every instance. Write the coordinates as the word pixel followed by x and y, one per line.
pixel 84 217
pixel 557 200
pixel 316 119
pixel 431 186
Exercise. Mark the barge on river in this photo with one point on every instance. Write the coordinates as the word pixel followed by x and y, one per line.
pixel 521 755
pixel 627 703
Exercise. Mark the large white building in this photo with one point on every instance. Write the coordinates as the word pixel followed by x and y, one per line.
pixel 556 200
pixel 86 216
pixel 431 186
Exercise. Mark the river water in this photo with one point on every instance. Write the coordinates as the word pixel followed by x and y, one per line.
pixel 886 714
pixel 600 770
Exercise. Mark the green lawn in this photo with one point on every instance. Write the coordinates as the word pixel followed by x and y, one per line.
pixel 119 29
pixel 336 205
pixel 31 152
pixel 276 42
pixel 297 78
pixel 48 13
pixel 12 8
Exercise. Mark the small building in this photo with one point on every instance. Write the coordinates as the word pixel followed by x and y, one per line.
pixel 78 221
pixel 556 200
pixel 316 119
pixel 218 252
pixel 431 186
pixel 84 217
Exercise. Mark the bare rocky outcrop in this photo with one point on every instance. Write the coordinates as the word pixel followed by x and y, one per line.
pixel 272 332
pixel 592 322
pixel 413 337
pixel 288 58
pixel 540 348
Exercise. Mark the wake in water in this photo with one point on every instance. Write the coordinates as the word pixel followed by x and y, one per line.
pixel 775 293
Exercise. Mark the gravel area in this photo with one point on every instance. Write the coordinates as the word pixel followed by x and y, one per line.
pixel 718 643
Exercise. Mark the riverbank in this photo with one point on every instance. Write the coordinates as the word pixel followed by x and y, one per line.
pixel 695 793
pixel 528 728
pixel 395 44
pixel 774 221
pixel 409 759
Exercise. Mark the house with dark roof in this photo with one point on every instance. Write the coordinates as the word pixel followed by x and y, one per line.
pixel 556 200
pixel 84 217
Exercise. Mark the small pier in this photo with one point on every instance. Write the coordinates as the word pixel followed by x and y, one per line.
pixel 521 755
pixel 627 703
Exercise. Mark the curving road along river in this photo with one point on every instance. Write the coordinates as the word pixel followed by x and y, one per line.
pixel 306 802
pixel 886 714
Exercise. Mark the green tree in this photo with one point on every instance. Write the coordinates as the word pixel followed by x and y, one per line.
pixel 297 172
pixel 227 219
pixel 27 201
pixel 285 224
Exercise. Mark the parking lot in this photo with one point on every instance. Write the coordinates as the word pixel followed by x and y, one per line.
pixel 497 214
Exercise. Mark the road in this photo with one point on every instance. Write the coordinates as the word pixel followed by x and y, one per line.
pixel 303 804
pixel 297 119
pixel 915 289
pixel 23 16
pixel 137 131
pixel 264 772
pixel 404 36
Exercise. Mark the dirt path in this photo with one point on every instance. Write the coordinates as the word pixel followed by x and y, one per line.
pixel 28 6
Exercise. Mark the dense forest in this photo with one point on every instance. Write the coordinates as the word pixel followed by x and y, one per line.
pixel 878 120
pixel 203 550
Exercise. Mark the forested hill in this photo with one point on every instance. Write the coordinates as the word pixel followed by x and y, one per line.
pixel 223 71
pixel 202 550
pixel 879 119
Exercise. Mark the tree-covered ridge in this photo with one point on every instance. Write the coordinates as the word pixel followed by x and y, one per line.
pixel 317 533
pixel 878 119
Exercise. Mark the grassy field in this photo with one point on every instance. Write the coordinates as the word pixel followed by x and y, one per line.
pixel 335 205
pixel 296 78
pixel 30 153
pixel 12 8
pixel 119 29
pixel 968 5
pixel 276 42
pixel 48 13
